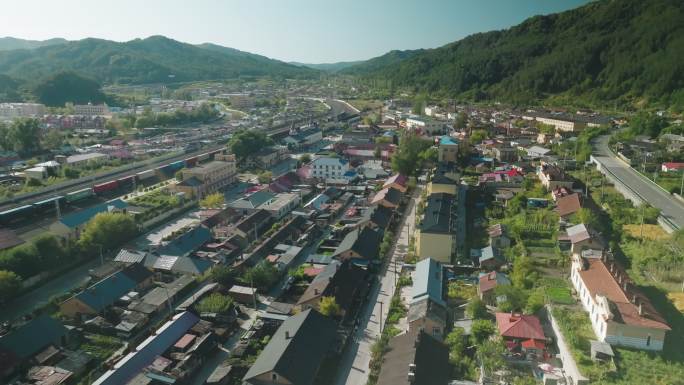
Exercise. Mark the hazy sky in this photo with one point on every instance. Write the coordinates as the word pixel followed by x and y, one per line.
pixel 313 31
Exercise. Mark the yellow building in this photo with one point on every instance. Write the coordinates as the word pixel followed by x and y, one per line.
pixel 436 235
pixel 442 184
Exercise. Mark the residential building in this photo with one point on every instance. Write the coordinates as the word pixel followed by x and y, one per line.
pixel 522 332
pixel 491 258
pixel 397 182
pixel 568 205
pixel 71 225
pixel 537 152
pixel 295 352
pixel 303 137
pixel 498 237
pixel 447 151
pixel 440 183
pixel 91 109
pixel 345 281
pixel 619 313
pixel 252 202
pixel 583 238
pixel 428 282
pixel 377 217
pixel 436 235
pixel 80 160
pixel 553 177
pixel 505 154
pixel 673 142
pixel 21 110
pixel 388 197
pixel 267 157
pixel 428 316
pixel 426 125
pixel 488 282
pixel 206 179
pixel 415 358
pixel 281 205
pixel 361 244
pixel 672 167
pixel 329 168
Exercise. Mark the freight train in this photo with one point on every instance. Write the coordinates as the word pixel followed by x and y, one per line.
pixel 121 185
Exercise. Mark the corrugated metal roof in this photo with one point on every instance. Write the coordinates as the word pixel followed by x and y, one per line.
pixel 427 281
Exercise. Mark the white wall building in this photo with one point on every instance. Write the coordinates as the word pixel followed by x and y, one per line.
pixel 426 125
pixel 329 168
pixel 91 109
pixel 21 110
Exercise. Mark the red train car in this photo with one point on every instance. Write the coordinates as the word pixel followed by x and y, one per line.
pixel 107 186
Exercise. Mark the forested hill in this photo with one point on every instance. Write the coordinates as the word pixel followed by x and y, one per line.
pixel 617 51
pixel 151 60
pixel 10 43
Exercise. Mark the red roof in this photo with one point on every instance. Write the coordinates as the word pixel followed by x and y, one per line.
pixel 513 325
pixel 273 258
pixel 398 179
pixel 568 204
pixel 312 271
pixel 674 165
pixel 533 344
pixel 184 342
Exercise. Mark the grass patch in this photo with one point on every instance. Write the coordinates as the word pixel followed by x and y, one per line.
pixel 652 232
pixel 560 295
pixel 677 300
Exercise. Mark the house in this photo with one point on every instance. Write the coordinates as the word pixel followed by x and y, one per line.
pixel 205 179
pixel 498 237
pixel 505 154
pixel 488 283
pixel 250 227
pixel 71 225
pixel 284 255
pixel 361 244
pixel 522 332
pixel 303 137
pixel 415 358
pixel 396 181
pixel 344 281
pixel 491 258
pixel 619 313
pixel 251 202
pixel 80 160
pixel 158 299
pixel 440 183
pixel 537 152
pixel 447 151
pixel 674 142
pixel 436 235
pixel 552 177
pixel 373 169
pixel 267 157
pixel 425 125
pixel 98 296
pixel 672 167
pixel 187 243
pixel 329 168
pixel 582 238
pixel 295 352
pixel 388 197
pixel 281 205
pixel 428 282
pixel 177 264
pixel 428 316
pixel 149 350
pixel 127 256
pixel 25 341
pixel 568 205
pixel 377 217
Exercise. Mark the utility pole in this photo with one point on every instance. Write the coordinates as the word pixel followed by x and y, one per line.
pixel 59 214
pixel 101 256
pixel 251 283
pixel 643 207
pixel 168 300
pixel 681 188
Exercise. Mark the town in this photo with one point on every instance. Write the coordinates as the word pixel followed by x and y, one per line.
pixel 503 209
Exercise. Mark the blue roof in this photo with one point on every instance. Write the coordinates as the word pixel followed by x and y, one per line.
pixel 427 281
pixel 32 337
pixel 488 253
pixel 107 291
pixel 187 243
pixel 80 217
pixel 448 140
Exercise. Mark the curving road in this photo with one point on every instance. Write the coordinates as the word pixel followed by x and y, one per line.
pixel 670 207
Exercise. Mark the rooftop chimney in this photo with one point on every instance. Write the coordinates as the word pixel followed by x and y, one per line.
pixel 641 310
pixel 287 334
pixel 315 291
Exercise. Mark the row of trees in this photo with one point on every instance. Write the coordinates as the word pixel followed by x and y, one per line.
pixel 22 136
pixel 203 114
pixel 246 143
pixel 412 152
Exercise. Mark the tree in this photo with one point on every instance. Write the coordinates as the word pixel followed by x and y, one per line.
pixel 53 139
pixel 178 175
pixel 329 307
pixel 515 298
pixel 522 276
pixel 265 177
pixel 478 136
pixel 406 160
pixel 10 283
pixel 476 309
pixel 223 275
pixel 586 216
pixel 305 158
pixel 245 143
pixel 490 353
pixel 535 301
pixel 377 153
pixel 419 103
pixel 64 87
pixel 481 330
pixel 213 201
pixel 71 173
pixel 461 121
pixel 107 230
pixel 263 275
pixel 22 136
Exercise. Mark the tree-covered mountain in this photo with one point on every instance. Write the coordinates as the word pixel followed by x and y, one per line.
pixel 328 67
pixel 9 43
pixel 606 52
pixel 151 60
pixel 381 63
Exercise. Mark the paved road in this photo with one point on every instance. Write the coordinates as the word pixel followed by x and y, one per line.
pixel 353 369
pixel 670 207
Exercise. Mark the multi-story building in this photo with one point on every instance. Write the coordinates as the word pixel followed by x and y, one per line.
pixel 329 168
pixel 21 110
pixel 448 149
pixel 619 313
pixel 426 125
pixel 436 235
pixel 206 179
pixel 91 109
pixel 553 177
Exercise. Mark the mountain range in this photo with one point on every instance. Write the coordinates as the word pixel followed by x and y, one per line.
pixel 608 51
pixel 625 52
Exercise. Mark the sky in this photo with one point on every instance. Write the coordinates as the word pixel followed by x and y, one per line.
pixel 309 31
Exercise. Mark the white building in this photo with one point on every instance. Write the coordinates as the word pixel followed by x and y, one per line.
pixel 619 314
pixel 282 204
pixel 427 125
pixel 329 168
pixel 21 110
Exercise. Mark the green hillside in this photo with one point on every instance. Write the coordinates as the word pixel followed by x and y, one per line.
pixel 152 60
pixel 10 43
pixel 626 52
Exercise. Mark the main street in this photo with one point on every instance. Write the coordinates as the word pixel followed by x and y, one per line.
pixel 353 369
pixel 670 207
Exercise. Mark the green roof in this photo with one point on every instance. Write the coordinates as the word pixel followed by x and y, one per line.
pixel 439 215
pixel 34 336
